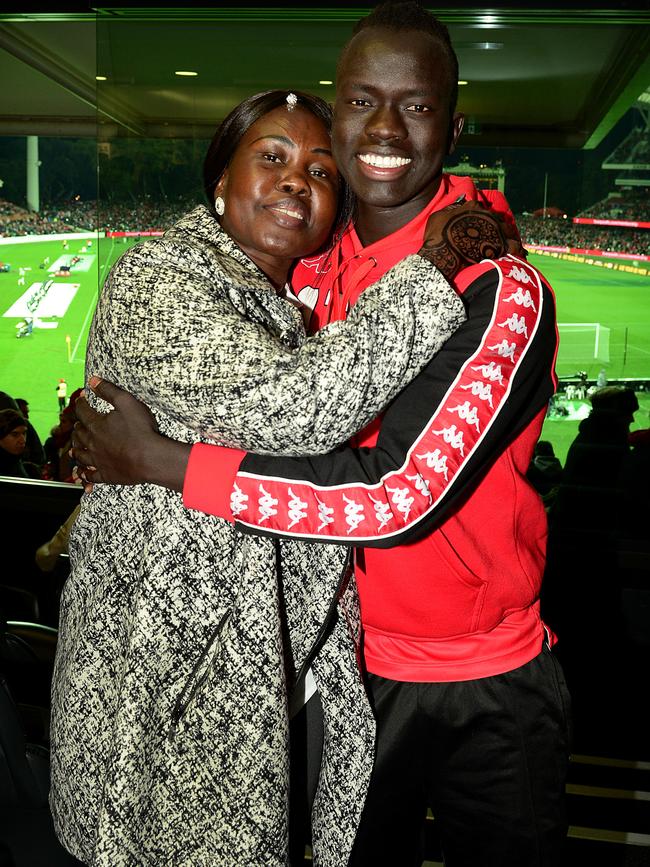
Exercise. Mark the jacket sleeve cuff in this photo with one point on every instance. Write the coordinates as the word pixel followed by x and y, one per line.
pixel 209 479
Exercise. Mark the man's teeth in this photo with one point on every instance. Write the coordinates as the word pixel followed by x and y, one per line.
pixel 380 162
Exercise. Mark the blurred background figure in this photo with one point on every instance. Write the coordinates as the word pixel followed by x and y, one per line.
pixel 13 439
pixel 545 471
pixel 33 458
pixel 61 392
pixel 48 554
pixel 34 453
pixel 59 465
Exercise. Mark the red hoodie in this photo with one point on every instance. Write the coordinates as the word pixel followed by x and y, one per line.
pixel 441 475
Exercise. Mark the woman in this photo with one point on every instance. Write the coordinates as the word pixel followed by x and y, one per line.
pixel 178 644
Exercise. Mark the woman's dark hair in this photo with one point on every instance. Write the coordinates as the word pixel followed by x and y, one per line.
pixel 231 131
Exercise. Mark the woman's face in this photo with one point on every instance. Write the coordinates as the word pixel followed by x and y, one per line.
pixel 280 190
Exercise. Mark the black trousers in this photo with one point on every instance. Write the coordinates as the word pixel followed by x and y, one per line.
pixel 489 757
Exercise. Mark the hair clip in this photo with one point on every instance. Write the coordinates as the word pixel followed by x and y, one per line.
pixel 292 101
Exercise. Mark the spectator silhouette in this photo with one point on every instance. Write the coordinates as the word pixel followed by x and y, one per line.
pixel 59 464
pixel 34 452
pixel 33 458
pixel 13 439
pixel 545 471
pixel 581 598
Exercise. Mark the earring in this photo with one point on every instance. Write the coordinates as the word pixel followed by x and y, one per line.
pixel 219 206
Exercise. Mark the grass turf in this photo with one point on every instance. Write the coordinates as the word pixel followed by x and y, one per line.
pixel 32 366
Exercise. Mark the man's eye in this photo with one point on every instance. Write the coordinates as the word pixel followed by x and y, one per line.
pixel 319 173
pixel 417 107
pixel 360 102
pixel 271 158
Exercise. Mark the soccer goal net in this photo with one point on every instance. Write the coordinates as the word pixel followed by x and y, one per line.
pixel 581 342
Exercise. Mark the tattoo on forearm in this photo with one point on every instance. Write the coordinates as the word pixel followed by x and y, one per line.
pixel 466 239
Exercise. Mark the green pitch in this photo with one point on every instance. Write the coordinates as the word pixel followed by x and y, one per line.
pixel 31 366
pixel 617 300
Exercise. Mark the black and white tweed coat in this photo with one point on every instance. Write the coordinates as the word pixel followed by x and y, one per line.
pixel 179 639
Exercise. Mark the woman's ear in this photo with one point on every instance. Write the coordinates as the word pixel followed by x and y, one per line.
pixel 221 184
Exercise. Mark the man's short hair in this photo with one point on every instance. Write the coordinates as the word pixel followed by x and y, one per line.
pixel 411 15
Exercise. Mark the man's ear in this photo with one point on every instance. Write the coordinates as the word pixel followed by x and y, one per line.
pixel 455 129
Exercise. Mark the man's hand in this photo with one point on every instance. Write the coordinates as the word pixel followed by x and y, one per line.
pixel 110 446
pixel 464 234
pixel 123 447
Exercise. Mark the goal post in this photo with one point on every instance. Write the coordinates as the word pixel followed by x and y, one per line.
pixel 582 342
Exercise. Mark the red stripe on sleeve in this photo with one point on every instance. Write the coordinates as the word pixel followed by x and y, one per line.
pixel 456 428
pixel 210 480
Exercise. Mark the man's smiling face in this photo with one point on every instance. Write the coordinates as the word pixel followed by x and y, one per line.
pixel 392 123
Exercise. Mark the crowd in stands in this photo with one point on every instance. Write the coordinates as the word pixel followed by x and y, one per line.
pixel 554 232
pixel 625 205
pixel 634 149
pixel 90 216
pixel 150 216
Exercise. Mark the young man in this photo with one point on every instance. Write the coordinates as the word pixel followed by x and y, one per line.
pixel 470 704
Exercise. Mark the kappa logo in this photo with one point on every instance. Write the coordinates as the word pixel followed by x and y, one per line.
pixel 354 514
pixel 319 264
pixel 453 436
pixel 238 501
pixel 467 413
pixel 402 501
pixel 296 510
pixel 491 371
pixel 520 275
pixel 325 514
pixel 421 486
pixel 436 461
pixel 482 390
pixel 266 505
pixel 522 297
pixel 383 513
pixel 516 324
pixel 504 349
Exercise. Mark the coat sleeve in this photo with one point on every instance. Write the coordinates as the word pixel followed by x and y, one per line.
pixel 491 379
pixel 192 355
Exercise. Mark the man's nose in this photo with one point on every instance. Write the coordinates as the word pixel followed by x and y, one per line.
pixel 386 124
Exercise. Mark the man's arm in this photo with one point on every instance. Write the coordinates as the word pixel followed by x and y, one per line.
pixel 187 352
pixel 491 379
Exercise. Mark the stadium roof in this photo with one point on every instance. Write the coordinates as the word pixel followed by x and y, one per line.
pixel 559 76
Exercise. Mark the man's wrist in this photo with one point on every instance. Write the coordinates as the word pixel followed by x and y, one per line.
pixel 166 463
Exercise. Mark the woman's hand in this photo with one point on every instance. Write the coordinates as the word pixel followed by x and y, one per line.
pixel 123 447
pixel 464 234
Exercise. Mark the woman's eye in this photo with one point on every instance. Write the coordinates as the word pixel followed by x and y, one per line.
pixel 417 107
pixel 319 173
pixel 271 158
pixel 360 102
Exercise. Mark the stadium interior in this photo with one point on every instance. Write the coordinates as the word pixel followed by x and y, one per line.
pixel 106 112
